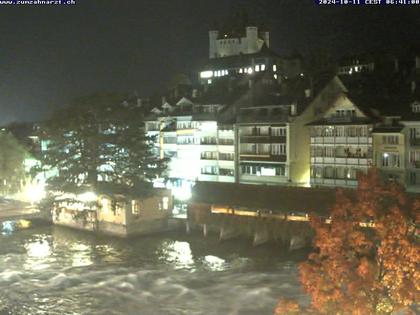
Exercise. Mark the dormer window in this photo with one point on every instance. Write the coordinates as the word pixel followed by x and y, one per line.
pixel 415 107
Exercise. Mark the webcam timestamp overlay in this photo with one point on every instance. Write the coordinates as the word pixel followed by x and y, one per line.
pixel 369 2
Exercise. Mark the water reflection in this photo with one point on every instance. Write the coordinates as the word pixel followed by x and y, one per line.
pixel 38 254
pixel 177 253
pixel 58 271
pixel 81 255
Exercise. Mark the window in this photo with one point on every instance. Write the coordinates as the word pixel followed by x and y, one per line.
pixel 209 170
pixel 278 149
pixel 329 131
pixel 274 68
pixel 209 155
pixel 226 156
pixel 256 131
pixel 257 68
pixel 278 131
pixel 390 160
pixel 339 131
pixel 414 158
pixel 165 203
pixel 416 107
pixel 390 139
pixel 414 133
pixel 329 151
pixel 226 172
pixel 317 172
pixel 135 207
pixel 262 67
pixel 117 207
pixel 208 140
pixel 105 205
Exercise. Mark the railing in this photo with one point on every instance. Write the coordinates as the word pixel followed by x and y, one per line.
pixel 210 158
pixel 415 164
pixel 415 141
pixel 208 173
pixel 208 142
pixel 255 139
pixel 226 157
pixel 226 142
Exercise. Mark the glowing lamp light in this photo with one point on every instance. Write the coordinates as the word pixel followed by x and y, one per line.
pixel 386 155
pixel 206 74
pixel 35 192
pixel 87 197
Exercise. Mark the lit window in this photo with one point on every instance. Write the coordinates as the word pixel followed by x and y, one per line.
pixel 105 204
pixel 274 68
pixel 257 68
pixel 250 70
pixel 262 67
pixel 241 70
pixel 165 203
pixel 209 81
pixel 275 76
pixel 206 74
pixel 415 107
pixel 135 207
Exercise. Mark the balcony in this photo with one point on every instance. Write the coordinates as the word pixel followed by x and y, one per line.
pixel 255 139
pixel 226 142
pixel 415 164
pixel 341 140
pixel 208 142
pixel 415 142
pixel 362 161
pixel 226 157
pixel 262 157
pixel 208 158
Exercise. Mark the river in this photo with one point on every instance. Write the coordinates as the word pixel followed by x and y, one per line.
pixel 52 270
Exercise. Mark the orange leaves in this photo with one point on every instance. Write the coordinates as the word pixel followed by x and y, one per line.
pixel 365 270
pixel 287 307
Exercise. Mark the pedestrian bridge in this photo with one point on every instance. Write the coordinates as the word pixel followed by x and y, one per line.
pixel 11 210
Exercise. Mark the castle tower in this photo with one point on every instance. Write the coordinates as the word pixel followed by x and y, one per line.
pixel 213 35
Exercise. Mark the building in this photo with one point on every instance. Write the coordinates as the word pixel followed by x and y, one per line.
pixel 119 213
pixel 341 139
pixel 204 132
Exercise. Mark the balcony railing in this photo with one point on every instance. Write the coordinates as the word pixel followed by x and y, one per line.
pixel 226 157
pixel 226 142
pixel 210 158
pixel 255 139
pixel 415 164
pixel 208 142
pixel 415 141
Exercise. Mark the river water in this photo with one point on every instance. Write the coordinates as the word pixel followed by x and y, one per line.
pixel 52 270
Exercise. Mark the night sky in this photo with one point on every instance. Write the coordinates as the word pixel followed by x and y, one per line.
pixel 50 54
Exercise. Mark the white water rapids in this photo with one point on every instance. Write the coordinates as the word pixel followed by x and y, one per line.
pixel 56 271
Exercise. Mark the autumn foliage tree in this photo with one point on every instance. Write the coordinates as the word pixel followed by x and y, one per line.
pixel 367 257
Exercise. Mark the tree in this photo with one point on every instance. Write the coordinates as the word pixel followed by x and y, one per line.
pixel 367 259
pixel 12 167
pixel 98 139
